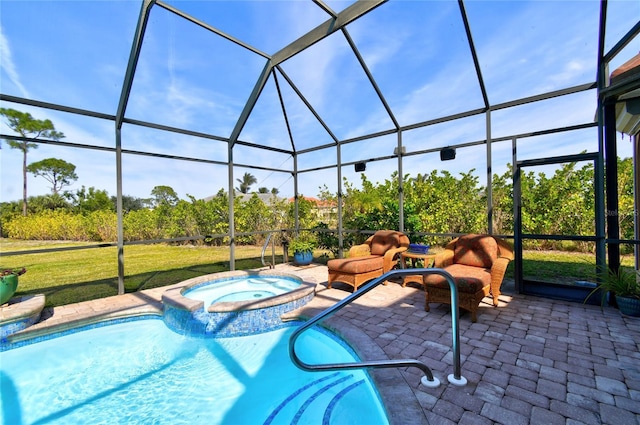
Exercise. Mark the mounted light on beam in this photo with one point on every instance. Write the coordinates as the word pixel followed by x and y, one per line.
pixel 360 166
pixel 447 154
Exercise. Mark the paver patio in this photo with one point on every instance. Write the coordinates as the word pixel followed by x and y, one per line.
pixel 529 361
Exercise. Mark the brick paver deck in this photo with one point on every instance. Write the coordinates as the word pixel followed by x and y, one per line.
pixel 529 361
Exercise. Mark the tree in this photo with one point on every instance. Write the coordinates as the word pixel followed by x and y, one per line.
pixel 58 172
pixel 92 199
pixel 49 202
pixel 265 190
pixel 251 214
pixel 165 201
pixel 245 182
pixel 626 212
pixel 129 203
pixel 29 129
pixel 164 196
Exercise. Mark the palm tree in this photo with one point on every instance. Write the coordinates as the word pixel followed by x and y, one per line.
pixel 245 182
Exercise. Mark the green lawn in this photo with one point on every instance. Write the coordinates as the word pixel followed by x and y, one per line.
pixel 79 275
pixel 72 276
pixel 560 266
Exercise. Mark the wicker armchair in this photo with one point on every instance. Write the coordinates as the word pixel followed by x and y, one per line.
pixel 477 264
pixel 376 256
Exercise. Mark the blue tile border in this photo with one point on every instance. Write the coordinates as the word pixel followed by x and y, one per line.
pixel 19 313
pixel 5 345
pixel 18 325
pixel 202 323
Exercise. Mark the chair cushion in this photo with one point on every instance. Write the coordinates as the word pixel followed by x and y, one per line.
pixel 356 265
pixel 384 240
pixel 476 250
pixel 468 278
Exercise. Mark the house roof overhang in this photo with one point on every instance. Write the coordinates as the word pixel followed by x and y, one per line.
pixel 627 76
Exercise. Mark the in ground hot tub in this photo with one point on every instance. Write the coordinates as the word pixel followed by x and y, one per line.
pixel 234 303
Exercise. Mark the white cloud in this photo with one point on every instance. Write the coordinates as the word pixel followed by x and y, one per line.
pixel 8 66
pixel 555 47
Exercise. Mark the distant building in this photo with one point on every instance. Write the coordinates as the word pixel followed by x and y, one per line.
pixel 325 211
pixel 267 198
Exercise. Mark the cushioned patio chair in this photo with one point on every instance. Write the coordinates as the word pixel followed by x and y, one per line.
pixel 477 264
pixel 378 255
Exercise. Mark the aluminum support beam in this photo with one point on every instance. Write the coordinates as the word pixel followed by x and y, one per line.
pixel 296 204
pixel 308 105
pixel 474 55
pixel 400 184
pixel 516 174
pixel 251 103
pixel 350 14
pixel 325 7
pixel 372 81
pixel 232 225
pixel 340 200
pixel 489 176
pixel 284 112
pixel 210 28
pixel 636 200
pixel 134 56
pixel 611 184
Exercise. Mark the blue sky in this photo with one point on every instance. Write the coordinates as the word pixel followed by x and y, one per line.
pixel 75 53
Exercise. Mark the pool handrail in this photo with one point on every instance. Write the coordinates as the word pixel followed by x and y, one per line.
pixel 456 378
pixel 273 252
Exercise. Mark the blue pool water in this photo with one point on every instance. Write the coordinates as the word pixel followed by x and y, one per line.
pixel 241 289
pixel 141 372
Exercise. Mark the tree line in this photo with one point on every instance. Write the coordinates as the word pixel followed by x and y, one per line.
pixel 438 202
pixel 56 171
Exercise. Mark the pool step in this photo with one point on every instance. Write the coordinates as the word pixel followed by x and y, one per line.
pixel 314 402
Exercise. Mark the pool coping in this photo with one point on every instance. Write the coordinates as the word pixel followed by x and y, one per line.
pixel 175 297
pixel 81 314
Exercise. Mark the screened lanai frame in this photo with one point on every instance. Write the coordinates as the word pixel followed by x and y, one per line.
pixel 338 23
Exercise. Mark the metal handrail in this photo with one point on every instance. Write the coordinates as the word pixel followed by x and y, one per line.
pixel 430 381
pixel 273 252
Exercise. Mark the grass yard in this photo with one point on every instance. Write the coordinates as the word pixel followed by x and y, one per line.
pixel 71 276
pixel 66 277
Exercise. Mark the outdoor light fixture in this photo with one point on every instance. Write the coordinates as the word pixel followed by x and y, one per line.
pixel 360 166
pixel 447 153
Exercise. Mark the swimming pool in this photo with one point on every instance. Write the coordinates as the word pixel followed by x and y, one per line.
pixel 142 372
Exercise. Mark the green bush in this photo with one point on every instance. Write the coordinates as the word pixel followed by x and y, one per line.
pixel 437 202
pixel 140 225
pixel 49 225
pixel 102 226
pixel 327 240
